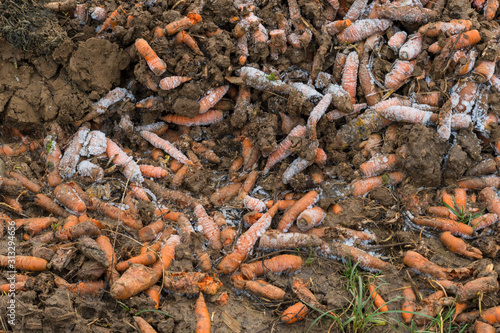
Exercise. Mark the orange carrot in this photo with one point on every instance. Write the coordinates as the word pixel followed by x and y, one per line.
pixel 465 39
pixel 91 288
pixel 297 208
pixel 409 304
pixel 208 227
pixel 479 183
pixel 146 258
pixel 173 82
pixel 202 316
pixel 484 221
pixel 361 187
pixel 115 213
pixel 408 14
pixel 263 289
pixel 143 325
pixel 424 266
pixel 346 252
pixel 212 97
pixel 484 70
pixel 158 142
pixel 182 24
pixel 490 10
pixel 492 200
pixel 278 264
pixel 10 287
pixel 378 301
pixel 179 177
pixel 191 283
pixel 106 246
pixel 294 313
pixel 457 245
pixel 30 185
pixel 442 212
pixel 49 205
pixel 207 118
pixel 283 149
pixel 16 206
pixel 397 40
pixel 150 231
pixel 203 259
pixel 400 73
pixel 155 63
pixel 25 263
pixel 67 196
pixel 310 218
pixel 135 279
pixel 456 228
pixel 170 195
pixel 86 228
pixel 449 28
pixel 225 194
pixel 111 21
pixel 167 254
pixel 472 288
pixel 491 315
pixel 362 29
pixel 154 293
pixel 480 327
pixel 205 153
pixel 350 75
pixel 35 225
pixel 460 199
pixel 183 37
pixel 152 171
pixel 379 164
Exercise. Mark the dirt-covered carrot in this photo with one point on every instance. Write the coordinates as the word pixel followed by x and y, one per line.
pixel 263 289
pixel 53 159
pixel 182 24
pixel 205 153
pixel 184 37
pixel 225 194
pixel 144 326
pixel 480 327
pixel 457 245
pixel 397 40
pixel 362 29
pixel 105 244
pixel 408 14
pixel 87 228
pixel 154 293
pixel 310 218
pixel 111 21
pixel 294 313
pixel 67 196
pixel 91 288
pixel 202 316
pixel 179 177
pixel 484 221
pixel 412 48
pixel 29 184
pixel 170 195
pixel 167 254
pixel 480 183
pixel 492 200
pixel 49 205
pixel 378 301
pixel 172 82
pixel 275 240
pixel 442 212
pixel 207 118
pixel 151 231
pixel 246 242
pixel 456 228
pixel 191 283
pixel 146 258
pixel 283 149
pixel 492 315
pixel 278 264
pixel 115 213
pixel 155 63
pixel 490 9
pixel 465 39
pixel 158 142
pixel 346 253
pixel 291 214
pixel 379 164
pixel 135 279
pixel 361 187
pixel 211 98
pixel 258 79
pixel 471 289
pixel 350 75
pixel 449 28
pixel 36 225
pixel 25 263
pixel 254 204
pixel 419 263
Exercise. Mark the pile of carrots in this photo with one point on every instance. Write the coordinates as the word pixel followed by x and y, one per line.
pixel 374 65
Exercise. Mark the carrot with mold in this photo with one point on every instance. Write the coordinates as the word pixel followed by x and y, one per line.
pixel 490 9
pixel 207 118
pixel 172 82
pixel 310 218
pixel 211 98
pixel 350 75
pixel 349 253
pixel 158 142
pixel 465 39
pixel 361 29
pixel 397 40
pixel 208 227
pixel 298 207
pixel 182 24
pixel 406 14
pixel 36 225
pixel 452 27
pixel 112 19
pixel 283 149
pixel 115 213
pixel 379 164
pixel 400 73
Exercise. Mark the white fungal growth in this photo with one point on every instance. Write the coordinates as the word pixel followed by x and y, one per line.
pixel 89 169
pixel 95 144
pixel 72 153
pixel 111 98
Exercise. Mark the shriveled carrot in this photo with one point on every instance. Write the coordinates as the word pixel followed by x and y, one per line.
pixel 9 287
pixel 212 97
pixel 225 194
pixel 472 288
pixel 167 254
pixel 202 316
pixel 67 196
pixel 154 293
pixel 293 212
pixel 106 246
pixel 335 27
pixel 282 151
pixel 456 228
pixel 479 183
pixel 184 23
pixel 310 218
pixel 263 289
pixel 294 313
pixel 248 184
pixel 276 264
pixel 379 164
pixel 408 304
pixel 490 9
pixel 191 283
pixel 346 252
pixel 227 236
pixel 144 326
pixel 449 28
pixel 61 6
pixel 350 75
pixel 135 279
pixel 150 231
pixel 361 29
pixel 30 185
pixel 424 266
pixel 49 205
pixel 275 240
pixel 155 63
pixel 158 142
pixel 492 200
pixel 86 228
pixel 115 213
pixel 378 301
pixel 400 73
pixel 170 195
pixel 111 21
pixel 146 258
pixel 36 225
pixel 25 263
pixel 484 221
pixel 246 242
pixel 204 152
pixel 203 259
pixel 457 245
pixel 361 187
pixel 183 37
pixel 460 198
pixel 13 203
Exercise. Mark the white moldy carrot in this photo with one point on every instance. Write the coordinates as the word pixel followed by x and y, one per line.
pixel 158 142
pixel 71 155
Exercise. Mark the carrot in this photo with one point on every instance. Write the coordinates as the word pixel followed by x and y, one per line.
pixel 158 142
pixel 225 194
pixel 115 213
pixel 12 287
pixel 484 221
pixel 30 185
pixel 254 204
pixel 408 14
pixel 105 244
pixel 283 149
pixel 492 200
pixel 338 65
pixel 293 212
pixel 212 97
pixel 167 254
pixel 472 288
pixel 49 205
pixel 490 10
pixel 205 153
pixel 146 258
pixel 144 326
pixel 449 28
pixel 151 231
pixel 208 227
pixel 346 252
pixel 310 218
pixel 170 195
pixel 465 39
pixel 412 48
pixel 135 279
pixel 242 47
pixel 480 327
pixel 203 259
pixel 248 184
pixel 34 226
pixel 379 164
pixel 67 196
pixel 202 316
pixel 278 264
pixel 53 158
pixel 235 166
pixel 86 228
pixel 155 63
pixel 282 204
pixel 154 293
pixel 424 266
pixel 61 6
pixel 362 29
pixel 263 289
pixel 460 197
pixel 409 304
pixel 227 236
pixel 277 43
pixel 361 187
pixel 442 212
pixel 251 217
pixel 25 263
pixel 400 73
pixel 479 183
pixel 336 27
pixel 152 171
pixel 91 288
pixel 457 245
pixel 294 313
pixel 179 176
pixel 182 24
pixel 492 315
pixel 246 242
pixel 350 75
pixel 456 228
pixel 378 301
pixel 397 40
pixel 111 21
pixel 274 239
pixel 13 203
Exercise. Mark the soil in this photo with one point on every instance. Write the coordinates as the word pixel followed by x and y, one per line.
pixel 54 69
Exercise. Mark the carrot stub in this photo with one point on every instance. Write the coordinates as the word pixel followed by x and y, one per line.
pixel 378 301
pixel 202 315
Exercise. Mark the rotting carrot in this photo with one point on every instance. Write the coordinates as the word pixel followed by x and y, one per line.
pixel 35 225
pixel 248 184
pixel 191 283
pixel 282 204
pixel 294 313
pixel 90 288
pixel 205 153
pixel 105 244
pixel 135 279
pixel 172 82
pixel 350 75
pixel 480 183
pixel 87 228
pixel 151 231
pixel 254 204
pixel 251 217
pixel 152 171
pixel 283 149
pixel 154 293
pixel 203 259
pixel 379 164
pixel 49 205
pixel 225 194
pixel 490 9
pixel 471 289
pixel 155 63
pixel 275 240
pixel 465 39
pixel 305 295
pixel 212 97
pixel 407 14
pixel 310 218
pixel 61 6
pixel 298 207
pixel 25 263
pixel 349 253
pixel 278 264
pixel 246 242
pixel 67 196
pixel 362 29
pixel 182 24
pixel 361 187
pixel 442 212
pixel 400 73
pixel 207 225
pixel 115 213
pixel 170 195
pixel 227 236
pixel 480 327
pixel 183 37
pixel 111 21
pixel 397 40
pixel 456 228
pixel 144 326
pixel 158 142
pixel 484 221
pixel 30 185
pixel 378 301
pixel 207 118
pixel 179 177
pixel 336 27
pixel 492 200
pixel 146 258
pixel 422 265
pixel 263 289
pixel 53 159
pixel 167 254
pixel 449 28
pixel 13 203
pixel 457 245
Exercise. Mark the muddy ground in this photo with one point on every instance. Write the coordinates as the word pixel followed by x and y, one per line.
pixel 54 70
